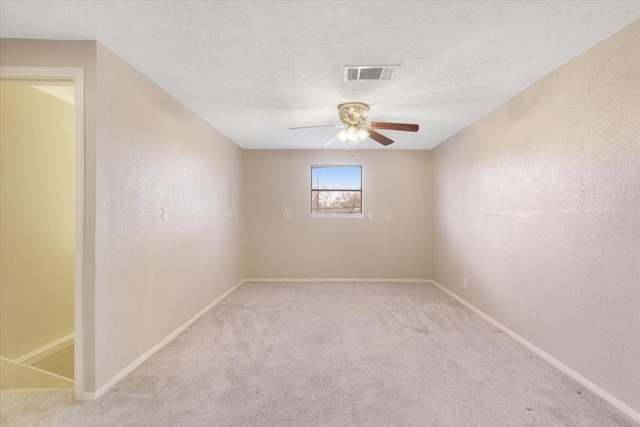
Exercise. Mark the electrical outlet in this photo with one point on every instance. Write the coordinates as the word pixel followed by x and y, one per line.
pixel 370 216
pixel 165 214
pixel 466 284
pixel 286 215
pixel 388 216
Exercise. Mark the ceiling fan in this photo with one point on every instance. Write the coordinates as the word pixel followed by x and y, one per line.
pixel 355 128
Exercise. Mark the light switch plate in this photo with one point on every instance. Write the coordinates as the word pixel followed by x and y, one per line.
pixel 165 214
pixel 286 215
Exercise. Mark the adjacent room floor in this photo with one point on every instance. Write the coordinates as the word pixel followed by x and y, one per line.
pixel 332 354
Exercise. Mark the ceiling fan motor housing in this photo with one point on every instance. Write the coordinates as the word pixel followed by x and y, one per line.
pixel 353 113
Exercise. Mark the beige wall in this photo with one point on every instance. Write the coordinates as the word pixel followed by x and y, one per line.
pixel 142 277
pixel 538 205
pixel 154 275
pixel 310 247
pixel 37 218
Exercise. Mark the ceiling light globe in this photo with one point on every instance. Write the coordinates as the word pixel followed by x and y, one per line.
pixel 352 136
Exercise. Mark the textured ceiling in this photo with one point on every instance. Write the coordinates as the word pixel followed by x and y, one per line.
pixel 254 69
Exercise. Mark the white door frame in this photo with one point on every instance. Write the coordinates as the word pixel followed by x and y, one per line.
pixel 77 75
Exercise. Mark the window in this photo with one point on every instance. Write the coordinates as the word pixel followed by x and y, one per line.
pixel 336 190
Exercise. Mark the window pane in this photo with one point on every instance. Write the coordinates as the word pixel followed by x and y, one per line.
pixel 336 177
pixel 336 190
pixel 336 202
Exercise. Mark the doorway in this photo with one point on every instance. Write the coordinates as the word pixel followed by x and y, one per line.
pixel 41 168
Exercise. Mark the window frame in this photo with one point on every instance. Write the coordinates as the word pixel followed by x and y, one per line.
pixel 320 215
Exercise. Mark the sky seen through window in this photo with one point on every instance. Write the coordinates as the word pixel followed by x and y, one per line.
pixel 343 177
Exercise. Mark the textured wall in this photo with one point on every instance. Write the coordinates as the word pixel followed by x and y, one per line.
pixel 154 275
pixel 538 205
pixel 311 247
pixel 37 218
pixel 48 53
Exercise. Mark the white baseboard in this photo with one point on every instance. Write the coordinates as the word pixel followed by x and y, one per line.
pixel 339 280
pixel 553 361
pixel 140 360
pixel 45 351
pixel 86 396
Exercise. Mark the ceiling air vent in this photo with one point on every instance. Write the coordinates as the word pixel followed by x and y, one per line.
pixel 369 73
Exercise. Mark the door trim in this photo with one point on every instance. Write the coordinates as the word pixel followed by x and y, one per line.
pixel 77 75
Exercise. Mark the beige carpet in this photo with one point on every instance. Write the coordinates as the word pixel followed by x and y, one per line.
pixel 331 354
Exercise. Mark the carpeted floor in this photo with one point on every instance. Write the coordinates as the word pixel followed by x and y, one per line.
pixel 331 354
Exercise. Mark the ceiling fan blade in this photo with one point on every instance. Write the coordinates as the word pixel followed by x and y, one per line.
pixel 321 126
pixel 331 140
pixel 394 126
pixel 379 138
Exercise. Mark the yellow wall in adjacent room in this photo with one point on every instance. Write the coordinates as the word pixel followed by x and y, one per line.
pixel 37 218
pixel 59 363
pixel 15 375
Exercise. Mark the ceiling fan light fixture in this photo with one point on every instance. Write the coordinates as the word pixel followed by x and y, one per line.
pixel 352 135
pixel 363 134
